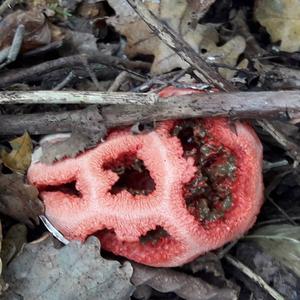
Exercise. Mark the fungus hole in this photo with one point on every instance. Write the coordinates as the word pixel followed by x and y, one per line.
pixel 153 236
pixel 67 188
pixel 208 194
pixel 133 175
pixel 186 137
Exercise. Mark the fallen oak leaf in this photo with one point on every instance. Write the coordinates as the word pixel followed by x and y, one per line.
pixel 76 271
pixel 19 158
pixel 37 31
pixel 19 200
pixel 180 16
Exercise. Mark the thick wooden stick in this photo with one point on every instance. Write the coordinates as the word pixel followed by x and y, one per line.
pixel 45 123
pixel 252 105
pixel 284 105
pixel 76 97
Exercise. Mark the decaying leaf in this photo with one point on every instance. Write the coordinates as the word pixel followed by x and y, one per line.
pixel 19 158
pixel 209 263
pixel 50 8
pixel 13 242
pixel 87 135
pixel 281 18
pixel 187 287
pixel 92 10
pixel 3 285
pixel 69 147
pixel 76 271
pixel 19 200
pixel 37 31
pixel 180 16
pixel 282 242
pixel 81 42
pixel 273 272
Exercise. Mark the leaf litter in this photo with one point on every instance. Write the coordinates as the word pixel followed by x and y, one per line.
pixel 271 251
pixel 179 16
pixel 73 272
pixel 19 158
pixel 19 200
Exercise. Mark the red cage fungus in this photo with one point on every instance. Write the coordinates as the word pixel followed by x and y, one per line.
pixel 161 198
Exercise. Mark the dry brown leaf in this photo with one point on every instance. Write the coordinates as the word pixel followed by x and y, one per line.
pixel 37 31
pixel 19 200
pixel 19 158
pixel 281 18
pixel 180 16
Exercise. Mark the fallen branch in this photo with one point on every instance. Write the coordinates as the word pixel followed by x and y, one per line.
pixel 292 148
pixel 250 105
pixel 15 76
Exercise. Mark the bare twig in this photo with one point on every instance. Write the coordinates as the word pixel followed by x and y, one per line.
pixel 268 165
pixel 76 97
pixel 292 149
pixel 15 47
pixel 271 187
pixel 66 80
pixel 223 251
pixel 15 76
pixel 91 73
pixel 118 81
pixel 161 79
pixel 3 53
pixel 282 211
pixel 274 221
pixel 51 79
pixel 43 50
pixel 178 45
pixel 121 78
pixel 5 5
pixel 254 277
pixel 275 76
